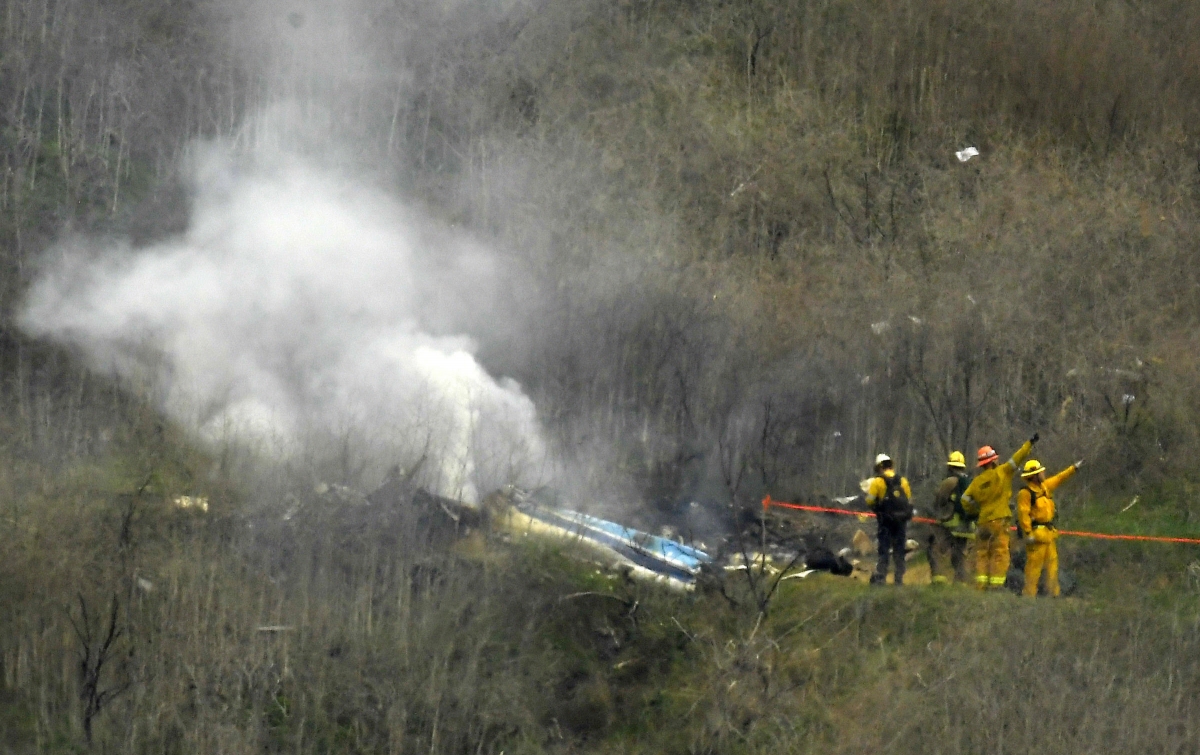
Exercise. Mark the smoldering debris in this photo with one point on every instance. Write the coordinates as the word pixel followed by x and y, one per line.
pixel 643 554
pixel 662 558
pixel 402 515
pixel 298 308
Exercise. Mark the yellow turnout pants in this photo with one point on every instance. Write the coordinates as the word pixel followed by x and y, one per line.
pixel 1042 552
pixel 991 554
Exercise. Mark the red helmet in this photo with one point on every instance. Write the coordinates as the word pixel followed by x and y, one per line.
pixel 987 455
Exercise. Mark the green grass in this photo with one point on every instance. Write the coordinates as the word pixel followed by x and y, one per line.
pixel 1166 510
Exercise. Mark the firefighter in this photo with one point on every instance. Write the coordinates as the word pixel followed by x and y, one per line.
pixel 949 538
pixel 890 497
pixel 989 499
pixel 1035 514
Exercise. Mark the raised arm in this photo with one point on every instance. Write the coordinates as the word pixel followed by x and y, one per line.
pixel 1022 453
pixel 1053 482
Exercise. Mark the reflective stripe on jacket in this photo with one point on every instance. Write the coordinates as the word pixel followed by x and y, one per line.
pixel 989 496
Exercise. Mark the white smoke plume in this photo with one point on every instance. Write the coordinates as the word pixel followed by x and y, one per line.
pixel 292 308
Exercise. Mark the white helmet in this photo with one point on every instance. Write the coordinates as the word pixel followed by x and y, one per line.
pixel 882 458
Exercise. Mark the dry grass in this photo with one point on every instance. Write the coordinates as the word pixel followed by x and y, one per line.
pixel 386 645
pixel 706 207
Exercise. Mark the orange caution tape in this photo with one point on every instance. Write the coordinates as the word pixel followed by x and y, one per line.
pixel 768 502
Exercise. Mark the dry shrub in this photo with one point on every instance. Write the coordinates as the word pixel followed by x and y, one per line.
pixel 1057 679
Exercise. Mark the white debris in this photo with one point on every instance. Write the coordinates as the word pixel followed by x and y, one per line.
pixel 1127 399
pixel 191 502
pixel 966 154
pixel 1193 572
pixel 799 575
pixel 145 585
pixel 862 544
pixel 275 628
pixel 915 320
pixel 1130 374
pixel 878 328
pixel 293 507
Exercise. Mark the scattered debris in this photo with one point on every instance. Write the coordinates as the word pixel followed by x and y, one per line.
pixel 911 549
pixel 644 554
pixel 1131 504
pixel 1122 373
pixel 341 493
pixel 879 328
pixel 799 575
pixel 862 543
pixel 1127 399
pixel 275 628
pixel 966 154
pixel 144 585
pixel 1193 575
pixel 747 185
pixel 823 559
pixel 293 507
pixel 191 502
pixel 398 515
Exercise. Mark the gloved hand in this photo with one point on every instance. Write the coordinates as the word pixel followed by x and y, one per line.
pixel 1033 441
pixel 1079 464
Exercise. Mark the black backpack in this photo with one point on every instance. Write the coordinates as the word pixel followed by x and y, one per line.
pixel 894 507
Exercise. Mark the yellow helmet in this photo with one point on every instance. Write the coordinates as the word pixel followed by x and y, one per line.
pixel 1032 467
pixel 957 460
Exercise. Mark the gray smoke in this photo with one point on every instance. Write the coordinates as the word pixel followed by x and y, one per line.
pixel 294 308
